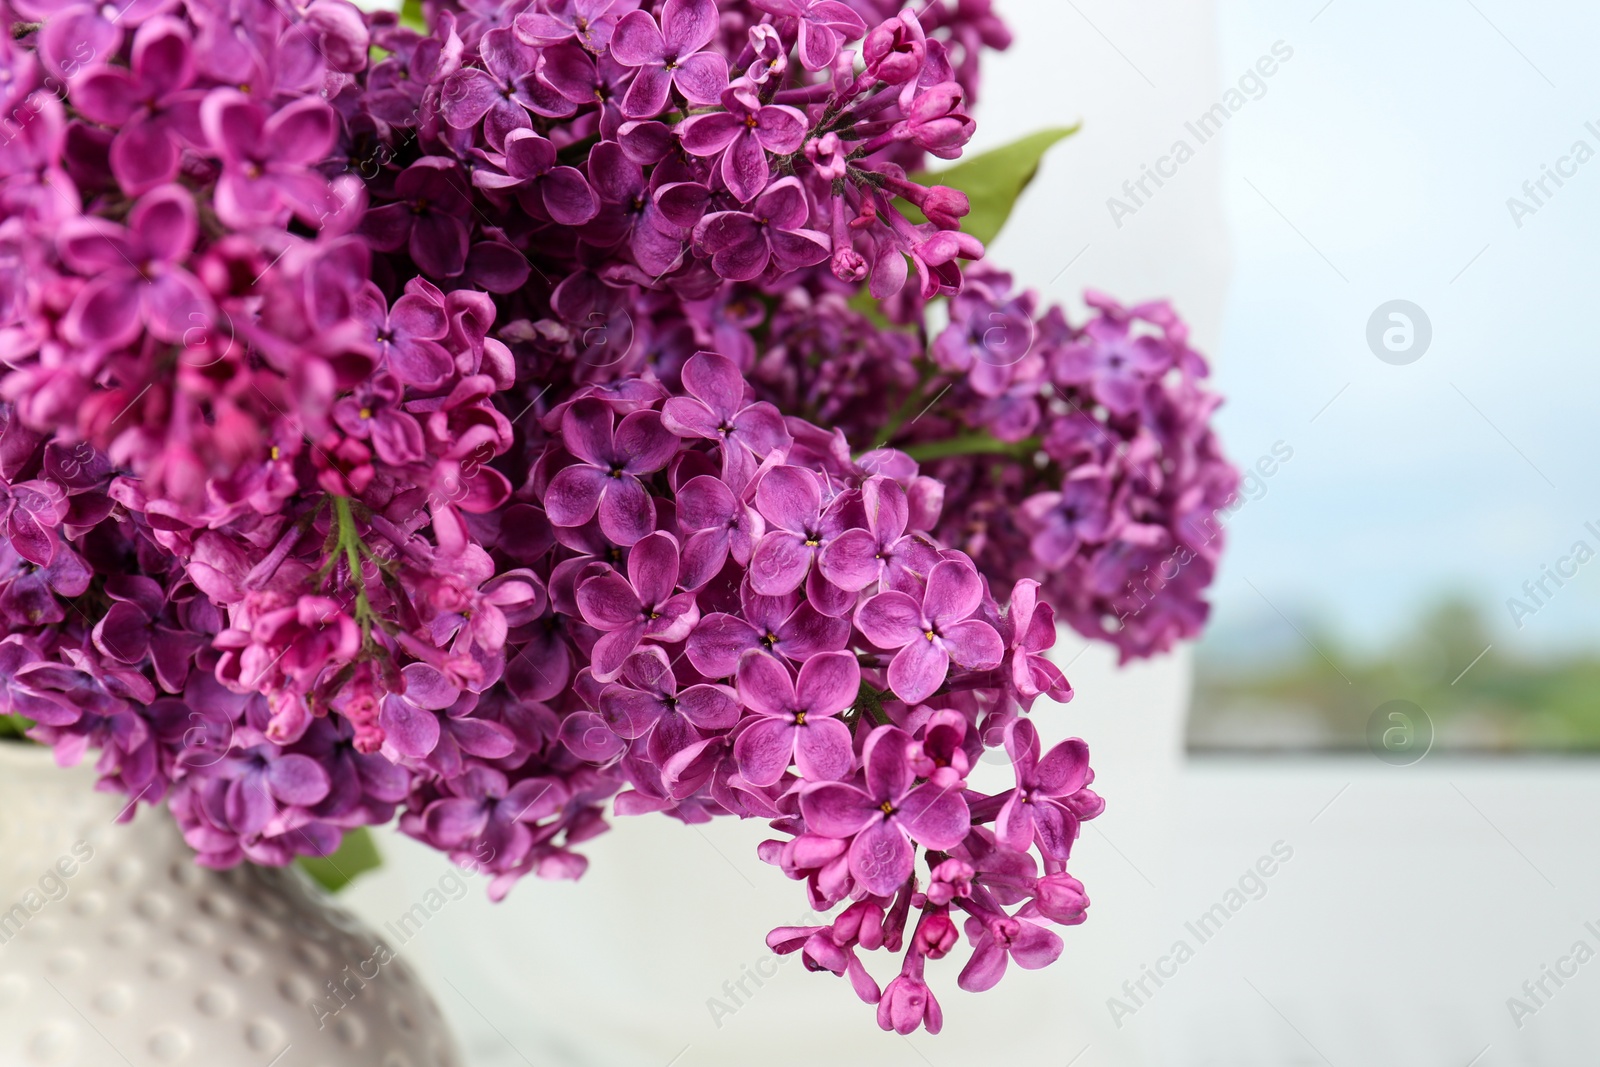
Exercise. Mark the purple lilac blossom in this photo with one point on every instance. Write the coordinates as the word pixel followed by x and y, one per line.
pixel 466 426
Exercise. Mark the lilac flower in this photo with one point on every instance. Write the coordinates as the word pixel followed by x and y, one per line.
pixel 718 526
pixel 895 50
pixel 362 786
pixel 149 104
pixel 262 781
pixel 880 551
pixel 718 410
pixel 743 133
pixel 138 274
pixel 585 79
pixel 669 55
pixel 786 626
pixel 529 166
pixel 884 818
pixel 428 218
pixel 797 719
pixel 397 83
pixel 414 728
pixel 464 741
pixel 606 479
pixel 1063 522
pixel 590 22
pixel 407 335
pixel 586 735
pixel 57 695
pixel 477 605
pixel 1051 796
pixel 484 806
pixel 823 25
pixel 1061 899
pixel 941 752
pixel 643 605
pixel 647 703
pixel 742 243
pixel 31 512
pixel 771 55
pixel 790 500
pixel 937 121
pixel 934 260
pixel 1114 364
pixel 31 594
pixel 330 501
pixel 123 632
pixel 474 18
pixel 1032 627
pixel 630 213
pixel 33 183
pixel 76 36
pixel 267 158
pixel 931 633
pixel 989 335
pixel 285 644
pixel 995 938
pixel 497 94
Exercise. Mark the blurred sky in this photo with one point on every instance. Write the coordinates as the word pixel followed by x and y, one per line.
pixel 1378 166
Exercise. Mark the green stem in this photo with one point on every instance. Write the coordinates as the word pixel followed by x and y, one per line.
pixel 349 542
pixel 870 701
pixel 977 443
pixel 907 407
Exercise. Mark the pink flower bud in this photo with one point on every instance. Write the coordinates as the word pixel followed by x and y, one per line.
pixel 945 207
pixel 848 265
pixel 936 936
pixel 907 1004
pixel 827 154
pixel 895 50
pixel 1061 899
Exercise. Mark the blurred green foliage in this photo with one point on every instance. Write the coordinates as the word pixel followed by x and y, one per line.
pixel 1319 700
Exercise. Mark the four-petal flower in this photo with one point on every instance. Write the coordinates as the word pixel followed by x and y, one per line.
pixel 888 814
pixel 932 631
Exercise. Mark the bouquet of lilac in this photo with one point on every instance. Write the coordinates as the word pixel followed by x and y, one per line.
pixel 518 408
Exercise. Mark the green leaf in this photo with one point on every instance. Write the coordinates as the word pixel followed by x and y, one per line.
pixel 979 443
pixel 357 855
pixel 13 727
pixel 993 180
pixel 411 15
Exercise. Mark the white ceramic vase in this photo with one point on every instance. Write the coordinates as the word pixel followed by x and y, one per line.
pixel 115 949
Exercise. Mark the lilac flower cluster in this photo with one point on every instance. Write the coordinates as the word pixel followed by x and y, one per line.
pixel 412 423
pixel 1082 457
pixel 1113 498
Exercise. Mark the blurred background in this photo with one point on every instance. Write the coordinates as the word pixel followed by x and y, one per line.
pixel 1355 824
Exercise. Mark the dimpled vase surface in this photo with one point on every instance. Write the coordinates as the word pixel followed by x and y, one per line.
pixel 115 949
